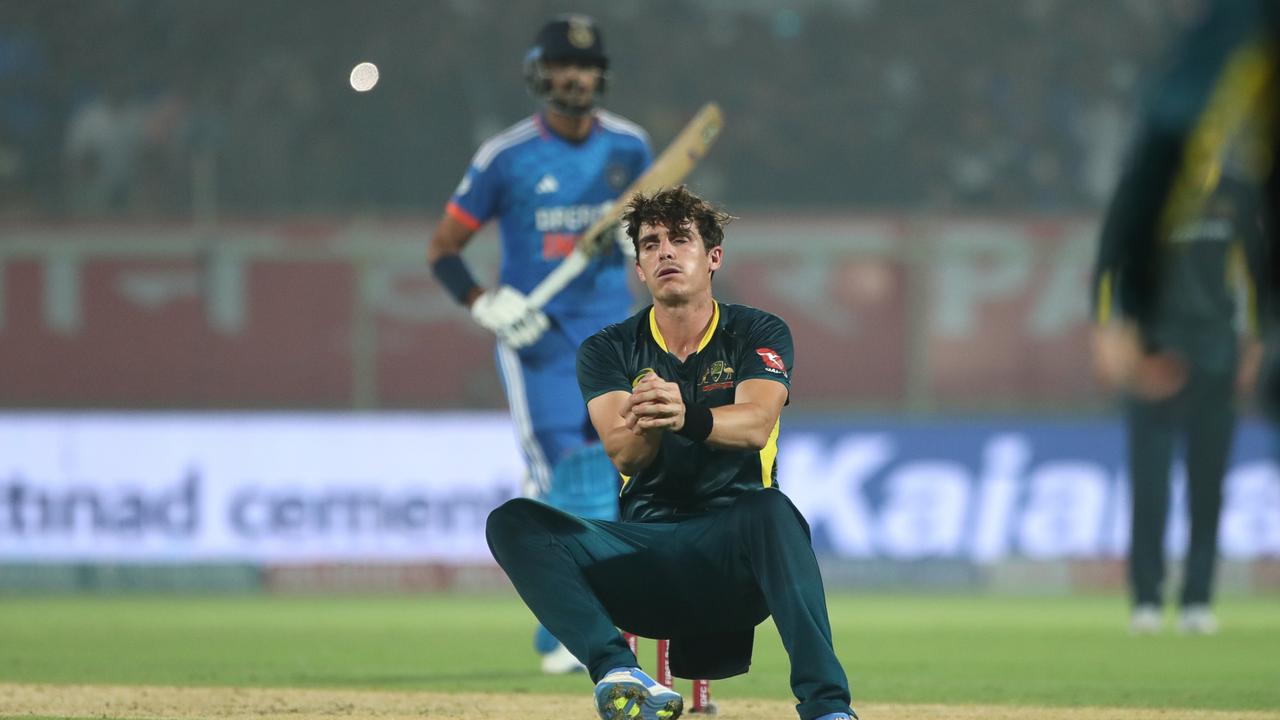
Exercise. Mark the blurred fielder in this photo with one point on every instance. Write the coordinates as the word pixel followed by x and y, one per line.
pixel 546 179
pixel 686 395
pixel 1200 353
pixel 1217 99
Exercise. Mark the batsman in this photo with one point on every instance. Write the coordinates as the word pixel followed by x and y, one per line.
pixel 686 396
pixel 547 179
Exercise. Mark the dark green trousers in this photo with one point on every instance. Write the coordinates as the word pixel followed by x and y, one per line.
pixel 720 573
pixel 1202 419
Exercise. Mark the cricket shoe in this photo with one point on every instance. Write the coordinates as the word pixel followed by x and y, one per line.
pixel 1197 620
pixel 561 662
pixel 1145 620
pixel 629 694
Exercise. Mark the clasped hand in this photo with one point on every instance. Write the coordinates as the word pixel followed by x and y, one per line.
pixel 654 405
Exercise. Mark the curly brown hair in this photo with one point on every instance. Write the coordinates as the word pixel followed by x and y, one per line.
pixel 672 208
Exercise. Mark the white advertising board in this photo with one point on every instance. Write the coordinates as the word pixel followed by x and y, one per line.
pixel 416 488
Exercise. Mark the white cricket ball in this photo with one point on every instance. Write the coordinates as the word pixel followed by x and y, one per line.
pixel 364 76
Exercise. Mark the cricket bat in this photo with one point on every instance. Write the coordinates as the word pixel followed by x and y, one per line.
pixel 670 168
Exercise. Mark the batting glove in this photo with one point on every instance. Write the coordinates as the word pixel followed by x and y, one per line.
pixel 507 313
pixel 624 242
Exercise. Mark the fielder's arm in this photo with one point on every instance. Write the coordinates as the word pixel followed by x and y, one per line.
pixel 749 421
pixel 656 404
pixel 630 452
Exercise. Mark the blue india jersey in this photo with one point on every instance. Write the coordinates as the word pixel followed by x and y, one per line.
pixel 545 191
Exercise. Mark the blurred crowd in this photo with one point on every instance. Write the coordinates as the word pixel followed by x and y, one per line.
pixel 151 108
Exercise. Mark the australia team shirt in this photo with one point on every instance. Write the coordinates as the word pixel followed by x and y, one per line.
pixel 686 477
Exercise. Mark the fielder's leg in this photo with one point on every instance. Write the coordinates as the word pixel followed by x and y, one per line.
pixel 584 483
pixel 543 550
pixel 1151 429
pixel 1210 427
pixel 780 554
pixel 548 554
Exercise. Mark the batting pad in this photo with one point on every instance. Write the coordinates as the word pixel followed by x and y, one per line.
pixel 585 483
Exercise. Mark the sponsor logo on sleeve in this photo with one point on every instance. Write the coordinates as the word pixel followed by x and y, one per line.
pixel 772 361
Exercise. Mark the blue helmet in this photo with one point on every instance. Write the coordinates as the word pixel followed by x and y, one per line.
pixel 571 38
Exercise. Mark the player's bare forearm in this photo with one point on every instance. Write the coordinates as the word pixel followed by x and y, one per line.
pixel 741 426
pixel 630 451
pixel 749 421
pixel 449 237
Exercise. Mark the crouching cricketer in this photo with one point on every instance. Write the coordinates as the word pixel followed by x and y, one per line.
pixel 686 396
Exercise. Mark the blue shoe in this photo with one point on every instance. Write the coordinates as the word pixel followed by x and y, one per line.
pixel 837 716
pixel 629 694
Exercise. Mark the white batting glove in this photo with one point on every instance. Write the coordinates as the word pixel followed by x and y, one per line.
pixel 506 312
pixel 526 331
pixel 624 242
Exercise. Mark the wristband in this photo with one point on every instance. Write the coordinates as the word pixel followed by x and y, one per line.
pixel 454 276
pixel 697 423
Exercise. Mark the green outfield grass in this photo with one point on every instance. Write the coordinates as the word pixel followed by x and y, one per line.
pixel 944 649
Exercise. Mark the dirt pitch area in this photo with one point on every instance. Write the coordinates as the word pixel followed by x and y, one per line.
pixel 173 703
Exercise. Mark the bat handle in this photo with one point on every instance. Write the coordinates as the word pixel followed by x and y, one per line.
pixel 555 281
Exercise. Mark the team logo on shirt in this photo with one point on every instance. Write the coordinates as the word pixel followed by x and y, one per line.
pixel 718 376
pixel 617 176
pixel 548 184
pixel 772 361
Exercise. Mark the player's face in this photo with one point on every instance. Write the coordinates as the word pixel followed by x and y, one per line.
pixel 571 84
pixel 674 264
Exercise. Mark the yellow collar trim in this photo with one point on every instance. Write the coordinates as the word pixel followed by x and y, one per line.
pixel 706 338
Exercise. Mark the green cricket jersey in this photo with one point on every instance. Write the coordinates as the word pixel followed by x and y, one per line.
pixel 1215 99
pixel 1207 294
pixel 686 477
